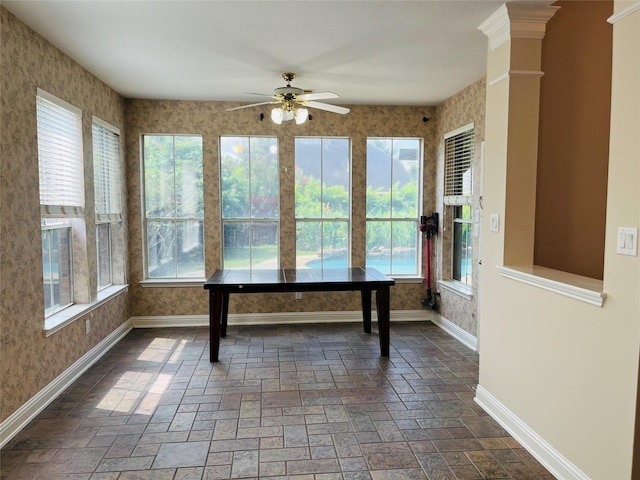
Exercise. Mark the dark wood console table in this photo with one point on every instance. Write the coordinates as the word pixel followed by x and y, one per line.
pixel 224 282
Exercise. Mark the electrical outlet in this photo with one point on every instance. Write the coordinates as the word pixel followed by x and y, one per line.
pixel 87 325
pixel 298 295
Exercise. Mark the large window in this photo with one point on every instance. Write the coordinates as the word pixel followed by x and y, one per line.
pixel 458 163
pixel 106 185
pixel 61 182
pixel 394 171
pixel 323 192
pixel 174 206
pixel 250 190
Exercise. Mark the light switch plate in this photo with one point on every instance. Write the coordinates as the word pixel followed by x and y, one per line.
pixel 494 222
pixel 627 241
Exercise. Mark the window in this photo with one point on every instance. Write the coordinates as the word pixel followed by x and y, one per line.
pixel 458 158
pixel 322 202
pixel 61 182
pixel 394 170
pixel 458 163
pixel 174 206
pixel 462 244
pixel 250 190
pixel 56 267
pixel 106 185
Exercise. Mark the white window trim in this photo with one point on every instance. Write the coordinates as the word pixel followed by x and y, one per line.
pixel 107 125
pixel 349 219
pixel 113 217
pixel 62 209
pixel 58 101
pixel 457 199
pixel 145 219
pixel 459 288
pixel 251 220
pixel 172 282
pixel 61 319
pixel 408 278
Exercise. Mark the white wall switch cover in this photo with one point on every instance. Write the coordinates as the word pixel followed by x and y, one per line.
pixel 627 241
pixel 494 222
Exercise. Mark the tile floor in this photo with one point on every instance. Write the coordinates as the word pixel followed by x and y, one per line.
pixel 312 402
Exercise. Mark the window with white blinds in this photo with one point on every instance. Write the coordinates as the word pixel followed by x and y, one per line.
pixel 106 171
pixel 59 157
pixel 458 160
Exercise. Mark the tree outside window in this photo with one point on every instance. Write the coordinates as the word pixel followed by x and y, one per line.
pixel 174 206
pixel 250 188
pixel 394 170
pixel 322 202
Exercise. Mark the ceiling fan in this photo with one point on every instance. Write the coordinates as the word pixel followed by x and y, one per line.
pixel 294 101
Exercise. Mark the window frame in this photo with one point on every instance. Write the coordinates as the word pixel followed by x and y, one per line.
pixel 391 219
pixel 250 219
pixel 463 155
pixel 457 214
pixel 55 307
pixel 461 159
pixel 111 175
pixel 322 220
pixel 148 279
pixel 55 169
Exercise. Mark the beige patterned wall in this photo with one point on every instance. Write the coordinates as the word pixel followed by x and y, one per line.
pixel 28 359
pixel 210 120
pixel 463 108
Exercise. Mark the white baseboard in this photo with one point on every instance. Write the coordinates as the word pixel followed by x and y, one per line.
pixel 27 412
pixel 548 456
pixel 456 332
pixel 286 318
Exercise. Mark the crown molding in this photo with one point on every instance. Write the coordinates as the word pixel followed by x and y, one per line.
pixel 517 20
pixel 635 7
pixel 515 73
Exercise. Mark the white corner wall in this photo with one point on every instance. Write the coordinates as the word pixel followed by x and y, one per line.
pixel 561 369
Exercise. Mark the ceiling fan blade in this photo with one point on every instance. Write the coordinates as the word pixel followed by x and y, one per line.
pixel 317 96
pixel 270 95
pixel 247 106
pixel 328 107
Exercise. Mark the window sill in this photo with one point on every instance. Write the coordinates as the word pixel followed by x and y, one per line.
pixel 407 279
pixel 172 282
pixel 570 285
pixel 458 288
pixel 58 321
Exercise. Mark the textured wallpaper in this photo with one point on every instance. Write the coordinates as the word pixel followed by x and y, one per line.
pixel 28 360
pixel 463 108
pixel 211 121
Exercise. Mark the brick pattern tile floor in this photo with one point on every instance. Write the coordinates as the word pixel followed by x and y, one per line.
pixel 303 402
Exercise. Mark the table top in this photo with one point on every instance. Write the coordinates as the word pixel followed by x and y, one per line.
pixel 289 279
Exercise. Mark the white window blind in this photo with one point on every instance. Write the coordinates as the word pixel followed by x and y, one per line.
pixel 59 157
pixel 458 159
pixel 106 172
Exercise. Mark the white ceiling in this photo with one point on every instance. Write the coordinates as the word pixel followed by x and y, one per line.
pixel 368 52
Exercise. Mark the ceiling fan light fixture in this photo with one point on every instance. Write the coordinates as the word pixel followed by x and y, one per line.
pixel 288 115
pixel 301 115
pixel 277 115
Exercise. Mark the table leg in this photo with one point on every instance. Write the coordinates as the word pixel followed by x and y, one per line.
pixel 366 310
pixel 225 314
pixel 382 303
pixel 215 313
